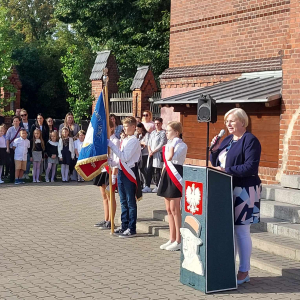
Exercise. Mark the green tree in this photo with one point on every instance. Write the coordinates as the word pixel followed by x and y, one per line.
pixel 33 18
pixel 136 30
pixel 77 64
pixel 7 45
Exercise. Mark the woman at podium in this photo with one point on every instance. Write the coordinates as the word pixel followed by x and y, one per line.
pixel 239 155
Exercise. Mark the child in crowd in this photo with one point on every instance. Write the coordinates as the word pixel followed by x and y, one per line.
pixel 36 152
pixel 3 155
pixel 78 145
pixel 52 152
pixel 65 153
pixel 20 145
pixel 128 178
pixel 170 185
pixel 122 135
pixel 102 180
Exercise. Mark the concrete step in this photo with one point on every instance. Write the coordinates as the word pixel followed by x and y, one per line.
pixel 275 264
pixel 281 246
pixel 281 194
pixel 284 211
pixel 278 227
pixel 290 181
pixel 261 259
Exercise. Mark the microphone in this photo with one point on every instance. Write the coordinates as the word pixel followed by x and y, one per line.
pixel 222 132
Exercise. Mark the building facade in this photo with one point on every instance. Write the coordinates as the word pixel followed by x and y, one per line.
pixel 212 42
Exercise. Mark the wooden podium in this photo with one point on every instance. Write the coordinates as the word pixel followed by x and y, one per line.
pixel 207 254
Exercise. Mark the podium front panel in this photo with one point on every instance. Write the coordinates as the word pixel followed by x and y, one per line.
pixel 193 254
pixel 207 256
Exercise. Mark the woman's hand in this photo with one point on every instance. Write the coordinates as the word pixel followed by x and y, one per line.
pixel 60 158
pixel 219 169
pixel 31 159
pixel 216 147
pixel 53 156
pixel 8 150
pixel 151 153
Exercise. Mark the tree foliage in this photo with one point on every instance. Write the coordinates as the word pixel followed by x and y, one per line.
pixel 7 46
pixel 33 18
pixel 77 64
pixel 137 31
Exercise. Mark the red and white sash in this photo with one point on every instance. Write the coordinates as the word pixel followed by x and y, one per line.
pixel 114 185
pixel 128 172
pixel 172 172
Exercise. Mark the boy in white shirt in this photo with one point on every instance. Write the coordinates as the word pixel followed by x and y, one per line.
pixel 20 145
pixel 128 179
pixel 78 145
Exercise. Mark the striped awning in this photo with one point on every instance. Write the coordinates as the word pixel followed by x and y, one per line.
pixel 242 90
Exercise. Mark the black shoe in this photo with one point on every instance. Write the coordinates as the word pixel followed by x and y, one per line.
pixel 107 225
pixel 119 230
pixel 100 224
pixel 127 234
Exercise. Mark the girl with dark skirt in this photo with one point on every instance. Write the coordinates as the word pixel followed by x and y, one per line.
pixel 102 180
pixel 170 185
pixel 66 153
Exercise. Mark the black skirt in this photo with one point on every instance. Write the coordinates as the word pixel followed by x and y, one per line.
pixel 102 178
pixel 166 187
pixel 4 157
pixel 66 156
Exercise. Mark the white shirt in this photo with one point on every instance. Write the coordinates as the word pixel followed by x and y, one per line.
pixel 2 142
pixel 78 146
pixel 21 148
pixel 25 125
pixel 180 151
pixel 130 151
pixel 114 159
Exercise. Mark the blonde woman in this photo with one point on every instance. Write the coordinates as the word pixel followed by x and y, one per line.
pixel 239 155
pixel 70 124
pixel 147 121
pixel 174 154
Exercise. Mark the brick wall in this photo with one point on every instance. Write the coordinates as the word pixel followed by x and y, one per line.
pixel 289 151
pixel 97 86
pixel 204 32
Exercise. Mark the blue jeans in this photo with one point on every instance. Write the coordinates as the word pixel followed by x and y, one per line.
pixel 28 164
pixel 127 191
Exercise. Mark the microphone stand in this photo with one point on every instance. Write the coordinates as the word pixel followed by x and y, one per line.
pixel 207 143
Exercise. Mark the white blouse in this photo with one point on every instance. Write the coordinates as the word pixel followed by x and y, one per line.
pixel 180 151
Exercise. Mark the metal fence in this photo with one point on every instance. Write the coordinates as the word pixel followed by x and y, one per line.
pixel 155 109
pixel 121 104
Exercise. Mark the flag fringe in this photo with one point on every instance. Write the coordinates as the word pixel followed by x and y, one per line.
pixel 89 161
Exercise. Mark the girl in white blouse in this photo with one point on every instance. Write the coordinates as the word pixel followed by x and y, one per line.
pixel 170 185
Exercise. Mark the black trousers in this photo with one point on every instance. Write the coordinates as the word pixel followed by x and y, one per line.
pixel 150 170
pixel 12 165
pixel 143 170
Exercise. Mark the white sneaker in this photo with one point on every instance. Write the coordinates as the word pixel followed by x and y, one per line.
pixel 34 180
pixel 1 181
pixel 174 247
pixel 164 246
pixel 146 189
pixel 52 180
pixel 37 181
pixel 155 190
pixel 26 176
pixel 47 180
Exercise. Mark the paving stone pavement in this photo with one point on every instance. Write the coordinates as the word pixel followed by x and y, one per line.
pixel 50 250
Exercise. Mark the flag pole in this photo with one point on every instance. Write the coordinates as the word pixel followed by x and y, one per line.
pixel 112 199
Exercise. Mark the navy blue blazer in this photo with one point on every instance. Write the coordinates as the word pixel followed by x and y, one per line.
pixel 242 160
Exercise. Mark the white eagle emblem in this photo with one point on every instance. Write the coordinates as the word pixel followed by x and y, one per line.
pixel 193 198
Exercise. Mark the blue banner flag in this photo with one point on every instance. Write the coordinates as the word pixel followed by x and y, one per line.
pixel 93 155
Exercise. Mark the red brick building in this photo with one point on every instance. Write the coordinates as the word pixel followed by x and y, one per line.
pixel 104 59
pixel 212 42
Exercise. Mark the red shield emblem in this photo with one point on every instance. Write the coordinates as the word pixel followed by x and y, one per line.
pixel 193 197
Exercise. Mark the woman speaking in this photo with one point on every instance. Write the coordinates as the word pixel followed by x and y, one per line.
pixel 239 155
